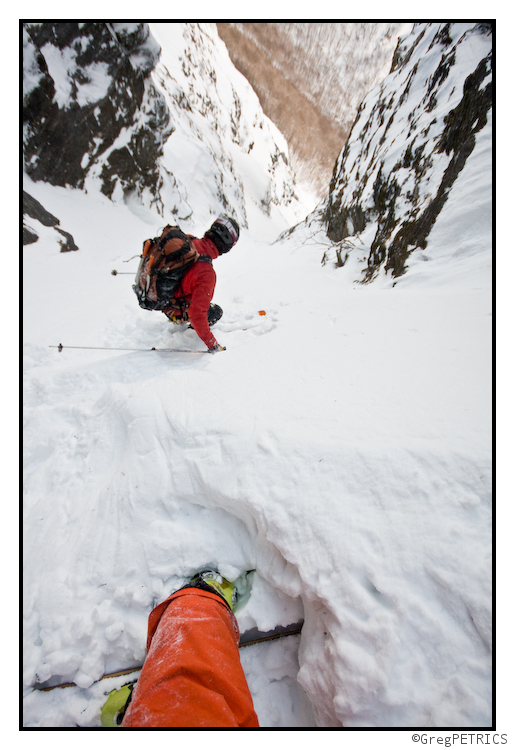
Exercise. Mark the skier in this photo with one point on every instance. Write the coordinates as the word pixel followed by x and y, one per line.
pixel 192 301
pixel 192 676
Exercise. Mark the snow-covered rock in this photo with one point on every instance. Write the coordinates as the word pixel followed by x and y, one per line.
pixel 90 107
pixel 36 218
pixel 415 138
pixel 185 137
pixel 225 155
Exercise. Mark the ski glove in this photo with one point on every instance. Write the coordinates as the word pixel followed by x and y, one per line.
pixel 217 348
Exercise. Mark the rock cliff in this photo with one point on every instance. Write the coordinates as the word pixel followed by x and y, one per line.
pixel 411 139
pixel 154 115
pixel 90 106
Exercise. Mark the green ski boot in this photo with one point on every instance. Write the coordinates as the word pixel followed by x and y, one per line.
pixel 235 593
pixel 114 708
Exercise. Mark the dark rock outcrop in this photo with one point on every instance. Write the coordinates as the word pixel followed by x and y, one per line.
pixel 410 141
pixel 34 210
pixel 90 107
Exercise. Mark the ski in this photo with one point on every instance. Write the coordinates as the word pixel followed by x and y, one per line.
pixel 60 347
pixel 252 636
pixel 249 638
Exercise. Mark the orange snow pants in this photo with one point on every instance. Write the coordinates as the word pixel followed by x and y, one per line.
pixel 192 676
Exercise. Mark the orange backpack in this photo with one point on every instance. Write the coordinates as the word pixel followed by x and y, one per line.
pixel 164 261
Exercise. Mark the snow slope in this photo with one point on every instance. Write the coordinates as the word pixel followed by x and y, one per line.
pixel 341 446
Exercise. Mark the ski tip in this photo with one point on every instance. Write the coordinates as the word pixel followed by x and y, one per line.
pixel 261 312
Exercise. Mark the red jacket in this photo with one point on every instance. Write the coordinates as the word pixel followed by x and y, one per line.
pixel 197 289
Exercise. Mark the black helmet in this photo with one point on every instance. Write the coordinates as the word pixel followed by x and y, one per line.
pixel 224 232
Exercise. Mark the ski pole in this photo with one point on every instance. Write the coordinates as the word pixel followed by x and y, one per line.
pixel 114 272
pixel 60 347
